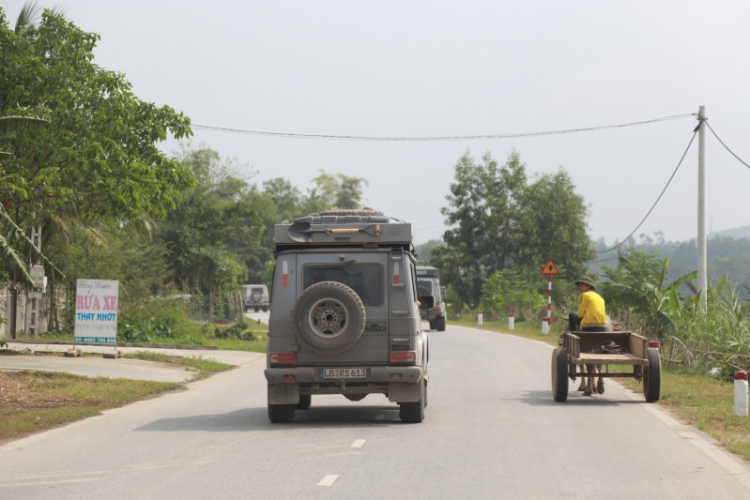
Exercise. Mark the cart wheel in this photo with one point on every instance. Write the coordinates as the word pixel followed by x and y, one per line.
pixel 559 375
pixel 652 376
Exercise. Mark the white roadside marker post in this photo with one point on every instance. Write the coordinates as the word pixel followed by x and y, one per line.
pixel 740 393
pixel 511 321
pixel 480 317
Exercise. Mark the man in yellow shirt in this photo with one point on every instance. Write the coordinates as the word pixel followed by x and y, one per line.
pixel 592 315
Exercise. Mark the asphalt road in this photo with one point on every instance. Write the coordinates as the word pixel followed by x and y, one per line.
pixel 491 431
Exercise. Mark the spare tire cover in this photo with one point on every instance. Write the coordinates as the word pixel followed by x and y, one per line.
pixel 329 317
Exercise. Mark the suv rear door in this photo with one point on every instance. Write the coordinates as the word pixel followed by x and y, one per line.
pixel 366 273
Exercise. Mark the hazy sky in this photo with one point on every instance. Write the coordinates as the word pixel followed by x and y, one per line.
pixel 400 68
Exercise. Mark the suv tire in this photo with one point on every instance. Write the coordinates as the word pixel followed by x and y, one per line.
pixel 440 323
pixel 280 414
pixel 413 413
pixel 329 317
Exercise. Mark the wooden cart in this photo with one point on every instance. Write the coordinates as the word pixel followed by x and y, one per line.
pixel 575 352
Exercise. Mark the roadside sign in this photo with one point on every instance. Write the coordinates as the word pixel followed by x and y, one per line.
pixel 96 311
pixel 550 268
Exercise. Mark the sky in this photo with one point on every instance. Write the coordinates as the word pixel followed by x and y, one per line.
pixel 445 68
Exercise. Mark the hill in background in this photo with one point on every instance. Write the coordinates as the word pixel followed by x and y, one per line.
pixel 737 233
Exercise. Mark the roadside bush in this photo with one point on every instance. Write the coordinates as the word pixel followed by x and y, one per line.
pixel 508 292
pixel 238 331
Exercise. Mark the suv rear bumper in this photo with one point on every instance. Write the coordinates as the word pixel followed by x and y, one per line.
pixel 377 374
pixel 400 383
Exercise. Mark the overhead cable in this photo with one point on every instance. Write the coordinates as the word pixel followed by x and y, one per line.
pixel 695 132
pixel 289 135
pixel 725 146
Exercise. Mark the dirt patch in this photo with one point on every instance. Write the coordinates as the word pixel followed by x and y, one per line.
pixel 19 390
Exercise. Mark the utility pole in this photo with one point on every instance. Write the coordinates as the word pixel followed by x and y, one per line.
pixel 702 261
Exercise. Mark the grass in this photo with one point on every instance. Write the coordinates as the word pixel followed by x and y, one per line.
pixel 230 344
pixel 36 401
pixel 694 398
pixel 258 345
pixel 204 367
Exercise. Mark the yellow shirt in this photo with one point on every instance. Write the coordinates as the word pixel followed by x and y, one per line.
pixel 591 310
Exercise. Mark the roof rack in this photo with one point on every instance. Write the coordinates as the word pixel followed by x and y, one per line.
pixel 344 227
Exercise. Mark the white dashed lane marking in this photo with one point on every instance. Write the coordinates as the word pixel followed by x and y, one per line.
pixel 328 480
pixel 359 443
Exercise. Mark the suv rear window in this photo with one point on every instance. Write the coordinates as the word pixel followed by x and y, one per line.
pixel 365 279
pixel 427 285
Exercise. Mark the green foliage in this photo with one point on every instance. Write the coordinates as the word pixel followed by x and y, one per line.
pixel 339 190
pixel 638 284
pixel 424 251
pixel 100 148
pixel 213 235
pixel 508 292
pixel 237 331
pixel 499 222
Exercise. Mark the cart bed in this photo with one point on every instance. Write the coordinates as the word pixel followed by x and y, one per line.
pixel 588 358
pixel 580 344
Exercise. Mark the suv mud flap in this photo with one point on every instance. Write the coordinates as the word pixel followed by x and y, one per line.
pixel 283 394
pixel 400 392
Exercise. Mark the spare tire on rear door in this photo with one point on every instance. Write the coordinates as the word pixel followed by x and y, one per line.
pixel 329 317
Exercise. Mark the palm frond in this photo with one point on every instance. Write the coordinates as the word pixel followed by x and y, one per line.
pixel 9 250
pixel 14 123
pixel 28 16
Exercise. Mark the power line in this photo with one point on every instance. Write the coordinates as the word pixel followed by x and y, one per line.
pixel 695 132
pixel 289 135
pixel 725 146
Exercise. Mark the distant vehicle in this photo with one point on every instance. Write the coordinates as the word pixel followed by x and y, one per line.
pixel 345 315
pixel 255 297
pixel 428 281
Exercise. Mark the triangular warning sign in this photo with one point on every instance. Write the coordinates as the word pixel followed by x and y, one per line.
pixel 550 268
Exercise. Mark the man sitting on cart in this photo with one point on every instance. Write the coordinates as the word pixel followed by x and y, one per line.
pixel 592 315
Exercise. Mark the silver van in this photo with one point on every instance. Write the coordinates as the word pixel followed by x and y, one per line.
pixel 345 314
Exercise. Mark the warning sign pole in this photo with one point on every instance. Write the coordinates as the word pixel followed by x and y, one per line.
pixel 549 269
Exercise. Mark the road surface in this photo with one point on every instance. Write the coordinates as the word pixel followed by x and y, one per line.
pixel 491 431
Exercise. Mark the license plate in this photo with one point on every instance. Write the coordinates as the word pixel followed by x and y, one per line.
pixel 343 373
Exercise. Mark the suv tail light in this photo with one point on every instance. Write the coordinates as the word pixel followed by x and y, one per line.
pixel 282 358
pixel 407 357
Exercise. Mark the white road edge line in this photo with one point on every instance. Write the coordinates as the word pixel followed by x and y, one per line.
pixel 328 480
pixel 359 443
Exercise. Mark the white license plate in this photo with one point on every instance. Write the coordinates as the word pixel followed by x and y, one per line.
pixel 343 373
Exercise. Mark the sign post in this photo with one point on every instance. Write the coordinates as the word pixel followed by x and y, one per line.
pixel 550 269
pixel 96 311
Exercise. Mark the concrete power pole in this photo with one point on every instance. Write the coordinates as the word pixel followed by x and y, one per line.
pixel 702 260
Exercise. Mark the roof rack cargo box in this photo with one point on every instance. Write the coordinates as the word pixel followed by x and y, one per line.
pixel 344 227
pixel 428 271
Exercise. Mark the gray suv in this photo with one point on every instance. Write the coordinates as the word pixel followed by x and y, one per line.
pixel 255 297
pixel 345 314
pixel 428 283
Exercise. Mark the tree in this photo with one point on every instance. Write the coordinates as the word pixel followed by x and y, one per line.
pixel 213 236
pixel 338 190
pixel 100 150
pixel 500 222
pixel 98 157
pixel 483 204
pixel 553 225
